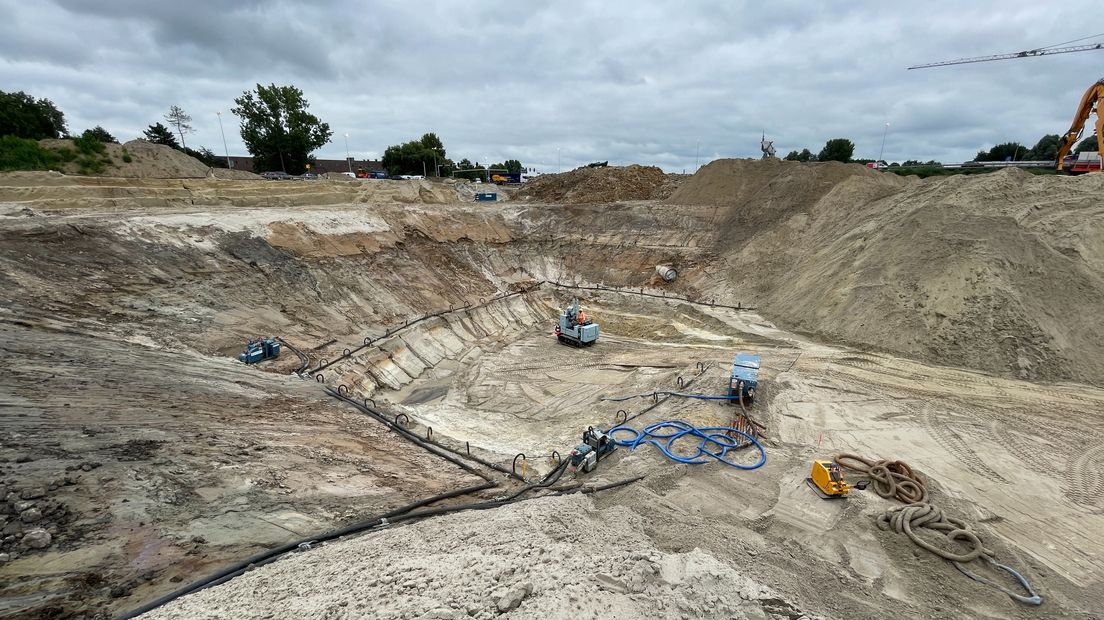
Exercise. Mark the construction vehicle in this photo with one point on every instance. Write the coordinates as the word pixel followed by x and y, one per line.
pixel 1085 161
pixel 827 480
pixel 260 350
pixel 1090 103
pixel 575 328
pixel 595 447
pixel 744 379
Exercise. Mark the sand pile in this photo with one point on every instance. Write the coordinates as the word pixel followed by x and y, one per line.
pixel 545 558
pixel 999 272
pixel 762 193
pixel 596 185
pixel 148 161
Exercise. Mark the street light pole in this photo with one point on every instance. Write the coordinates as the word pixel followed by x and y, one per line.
pixel 882 150
pixel 348 157
pixel 223 132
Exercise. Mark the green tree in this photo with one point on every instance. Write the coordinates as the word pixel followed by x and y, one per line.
pixel 99 133
pixel 1046 148
pixel 182 121
pixel 1013 151
pixel 792 156
pixel 1088 144
pixel 418 156
pixel 837 149
pixel 277 128
pixel 23 116
pixel 160 134
pixel 513 166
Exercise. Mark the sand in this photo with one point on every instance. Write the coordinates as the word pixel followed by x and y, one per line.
pixel 105 281
pixel 546 558
pixel 999 272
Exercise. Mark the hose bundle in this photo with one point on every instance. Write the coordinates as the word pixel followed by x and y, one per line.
pixel 891 479
pixel 906 519
pixel 714 445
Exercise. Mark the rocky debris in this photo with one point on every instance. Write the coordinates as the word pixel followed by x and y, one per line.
pixel 596 185
pixel 37 538
pixel 27 513
pixel 514 596
pixel 33 493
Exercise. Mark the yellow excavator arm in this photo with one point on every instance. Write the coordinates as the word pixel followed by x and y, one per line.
pixel 1089 104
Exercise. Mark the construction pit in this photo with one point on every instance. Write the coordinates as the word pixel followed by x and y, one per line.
pixel 949 323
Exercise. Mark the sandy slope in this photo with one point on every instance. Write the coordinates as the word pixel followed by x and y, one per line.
pixel 1000 272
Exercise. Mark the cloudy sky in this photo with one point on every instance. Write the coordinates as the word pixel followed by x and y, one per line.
pixel 659 83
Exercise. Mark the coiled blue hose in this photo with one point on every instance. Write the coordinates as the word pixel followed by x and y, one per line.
pixel 663 435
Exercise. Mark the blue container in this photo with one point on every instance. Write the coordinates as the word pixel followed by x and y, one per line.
pixel 484 196
pixel 745 370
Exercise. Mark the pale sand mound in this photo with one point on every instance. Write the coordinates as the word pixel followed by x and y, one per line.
pixel 596 185
pixel 1000 272
pixel 545 558
pixel 761 193
pixel 148 161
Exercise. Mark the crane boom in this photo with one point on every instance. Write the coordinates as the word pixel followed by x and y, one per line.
pixel 1025 54
pixel 1089 105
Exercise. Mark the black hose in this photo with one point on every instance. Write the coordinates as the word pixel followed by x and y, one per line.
pixel 685 385
pixel 398 515
pixel 304 359
pixel 428 444
pixel 267 556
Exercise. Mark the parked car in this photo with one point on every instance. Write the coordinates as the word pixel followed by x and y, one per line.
pixel 275 175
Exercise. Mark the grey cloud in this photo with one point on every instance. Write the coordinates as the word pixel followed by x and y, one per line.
pixel 623 81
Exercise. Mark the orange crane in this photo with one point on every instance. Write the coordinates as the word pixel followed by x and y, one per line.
pixel 1090 103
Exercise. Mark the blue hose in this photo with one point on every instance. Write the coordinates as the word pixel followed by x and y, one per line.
pixel 667 393
pixel 674 430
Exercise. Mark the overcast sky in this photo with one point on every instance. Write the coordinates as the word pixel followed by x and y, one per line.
pixel 659 83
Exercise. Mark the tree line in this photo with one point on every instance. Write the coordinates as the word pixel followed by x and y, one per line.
pixel 1046 149
pixel 275 124
pixel 427 155
pixel 276 127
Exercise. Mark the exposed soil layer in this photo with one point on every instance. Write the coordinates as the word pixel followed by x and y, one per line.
pixel 151 456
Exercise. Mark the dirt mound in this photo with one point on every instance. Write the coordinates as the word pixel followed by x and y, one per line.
pixel 596 185
pixel 147 161
pixel 670 186
pixel 998 272
pixel 761 193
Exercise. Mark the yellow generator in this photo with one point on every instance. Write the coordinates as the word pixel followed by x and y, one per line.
pixel 827 480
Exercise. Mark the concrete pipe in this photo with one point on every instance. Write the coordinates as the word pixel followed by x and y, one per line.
pixel 667 272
